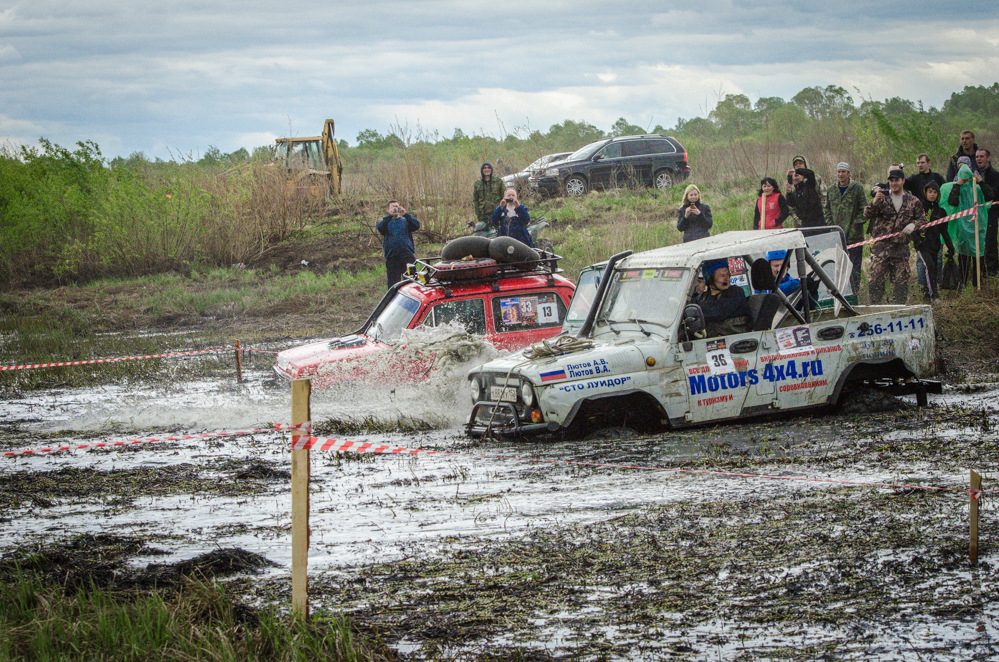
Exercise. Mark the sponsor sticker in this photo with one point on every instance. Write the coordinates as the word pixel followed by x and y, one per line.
pixel 794 340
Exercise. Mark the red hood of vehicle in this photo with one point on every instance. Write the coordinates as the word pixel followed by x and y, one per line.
pixel 307 359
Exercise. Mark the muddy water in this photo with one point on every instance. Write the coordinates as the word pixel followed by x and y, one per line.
pixel 373 511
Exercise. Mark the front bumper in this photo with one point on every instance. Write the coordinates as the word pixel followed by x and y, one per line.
pixel 501 418
pixel 545 185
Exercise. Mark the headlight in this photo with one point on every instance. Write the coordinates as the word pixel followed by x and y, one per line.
pixel 527 393
pixel 474 389
pixel 551 172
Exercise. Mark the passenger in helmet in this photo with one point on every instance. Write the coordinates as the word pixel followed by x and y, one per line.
pixel 783 279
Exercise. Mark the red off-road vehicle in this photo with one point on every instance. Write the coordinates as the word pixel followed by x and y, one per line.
pixel 512 305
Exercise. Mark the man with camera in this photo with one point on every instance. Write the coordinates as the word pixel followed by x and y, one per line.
pixel 892 210
pixel 397 230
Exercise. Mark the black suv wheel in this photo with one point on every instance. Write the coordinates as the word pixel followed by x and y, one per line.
pixel 575 186
pixel 664 180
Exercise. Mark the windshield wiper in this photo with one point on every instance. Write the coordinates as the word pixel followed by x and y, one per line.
pixel 610 324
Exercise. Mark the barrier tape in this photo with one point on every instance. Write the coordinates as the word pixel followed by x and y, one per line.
pixel 945 219
pixel 307 426
pixel 315 443
pixel 131 358
pixel 130 442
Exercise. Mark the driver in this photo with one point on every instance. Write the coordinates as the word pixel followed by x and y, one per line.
pixel 724 307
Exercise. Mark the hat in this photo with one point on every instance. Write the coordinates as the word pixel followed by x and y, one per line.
pixel 776 255
pixel 932 184
pixel 843 165
pixel 799 157
pixel 896 174
pixel 966 160
pixel 710 268
pixel 484 165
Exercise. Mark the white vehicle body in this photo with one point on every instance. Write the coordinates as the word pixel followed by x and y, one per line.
pixel 638 365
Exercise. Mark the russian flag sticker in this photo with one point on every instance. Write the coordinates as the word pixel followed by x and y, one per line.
pixel 550 376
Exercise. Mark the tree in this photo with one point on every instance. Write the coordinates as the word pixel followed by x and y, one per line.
pixel 980 100
pixel 733 115
pixel 622 128
pixel 824 103
pixel 573 135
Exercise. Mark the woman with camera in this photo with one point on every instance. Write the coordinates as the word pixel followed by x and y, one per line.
pixel 693 218
pixel 512 218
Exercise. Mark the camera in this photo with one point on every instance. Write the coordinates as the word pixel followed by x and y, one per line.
pixel 882 188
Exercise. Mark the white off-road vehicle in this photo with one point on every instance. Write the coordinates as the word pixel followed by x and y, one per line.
pixel 641 358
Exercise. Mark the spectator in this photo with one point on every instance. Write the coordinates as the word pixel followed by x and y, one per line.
pixel 724 307
pixel 968 147
pixel 486 194
pixel 820 186
pixel 804 198
pixel 397 241
pixel 845 208
pixel 770 206
pixel 916 184
pixel 927 243
pixel 693 218
pixel 512 218
pixel 990 188
pixel 892 211
pixel 956 196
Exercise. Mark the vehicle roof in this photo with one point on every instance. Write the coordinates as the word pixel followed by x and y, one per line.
pixel 434 291
pixel 720 246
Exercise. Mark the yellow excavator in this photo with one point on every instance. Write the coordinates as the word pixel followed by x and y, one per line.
pixel 313 164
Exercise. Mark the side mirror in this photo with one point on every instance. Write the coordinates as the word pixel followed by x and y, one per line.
pixel 693 320
pixel 598 157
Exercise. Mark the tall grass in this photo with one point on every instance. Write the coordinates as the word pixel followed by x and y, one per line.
pixel 199 622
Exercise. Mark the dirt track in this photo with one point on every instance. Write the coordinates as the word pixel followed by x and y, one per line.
pixel 464 555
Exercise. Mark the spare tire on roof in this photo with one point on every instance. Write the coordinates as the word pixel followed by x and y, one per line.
pixel 462 247
pixel 482 267
pixel 508 250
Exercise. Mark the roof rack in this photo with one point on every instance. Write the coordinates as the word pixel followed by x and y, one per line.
pixel 425 272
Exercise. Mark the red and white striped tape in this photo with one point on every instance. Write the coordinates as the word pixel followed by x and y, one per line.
pixel 945 219
pixel 130 442
pixel 307 426
pixel 132 358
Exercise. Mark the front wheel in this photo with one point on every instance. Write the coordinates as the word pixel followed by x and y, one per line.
pixel 663 180
pixel 575 186
pixel 545 245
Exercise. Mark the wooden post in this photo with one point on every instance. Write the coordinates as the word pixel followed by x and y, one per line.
pixel 978 250
pixel 301 391
pixel 976 484
pixel 239 364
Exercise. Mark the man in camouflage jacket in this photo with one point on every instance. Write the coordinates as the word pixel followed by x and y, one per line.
pixel 894 211
pixel 845 203
pixel 486 194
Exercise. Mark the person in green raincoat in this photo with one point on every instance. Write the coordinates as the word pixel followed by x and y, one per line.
pixel 958 196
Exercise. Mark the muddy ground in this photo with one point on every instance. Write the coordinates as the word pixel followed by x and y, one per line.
pixel 600 549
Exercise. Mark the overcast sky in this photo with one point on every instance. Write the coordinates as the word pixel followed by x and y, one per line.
pixel 173 77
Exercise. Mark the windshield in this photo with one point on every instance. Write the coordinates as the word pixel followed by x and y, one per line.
pixel 585 153
pixel 396 316
pixel 651 297
pixel 582 298
pixel 304 155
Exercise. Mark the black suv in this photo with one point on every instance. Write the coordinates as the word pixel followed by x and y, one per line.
pixel 652 160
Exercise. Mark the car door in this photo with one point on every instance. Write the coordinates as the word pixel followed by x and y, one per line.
pixel 520 319
pixel 635 163
pixel 605 166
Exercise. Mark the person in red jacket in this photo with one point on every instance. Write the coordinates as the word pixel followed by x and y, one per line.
pixel 773 205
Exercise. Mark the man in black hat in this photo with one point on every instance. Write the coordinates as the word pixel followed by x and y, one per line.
pixel 895 210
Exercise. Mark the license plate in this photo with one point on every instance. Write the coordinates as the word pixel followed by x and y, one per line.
pixel 503 394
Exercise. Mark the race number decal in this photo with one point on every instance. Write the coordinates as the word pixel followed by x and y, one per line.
pixel 547 312
pixel 719 358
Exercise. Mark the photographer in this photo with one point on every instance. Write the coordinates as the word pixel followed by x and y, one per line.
pixel 512 218
pixel 803 196
pixel 893 209
pixel 397 240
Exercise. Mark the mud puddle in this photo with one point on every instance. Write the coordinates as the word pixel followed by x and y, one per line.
pixel 456 555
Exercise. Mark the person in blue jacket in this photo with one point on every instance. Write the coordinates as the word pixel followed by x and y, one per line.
pixel 787 285
pixel 512 218
pixel 397 241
